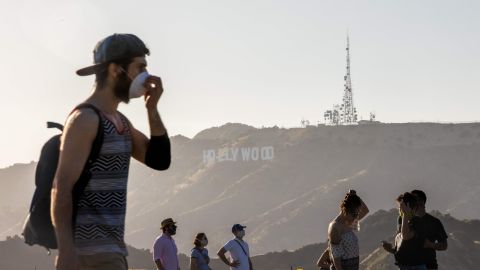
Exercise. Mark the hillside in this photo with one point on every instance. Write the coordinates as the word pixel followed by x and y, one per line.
pixel 284 184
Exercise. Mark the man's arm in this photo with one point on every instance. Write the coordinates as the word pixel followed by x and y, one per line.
pixel 442 236
pixel 75 147
pixel 388 247
pixel 363 210
pixel 153 152
pixel 405 229
pixel 221 255
pixel 407 216
pixel 154 87
pixel 439 246
pixel 193 263
pixel 323 261
pixel 159 265
pixel 158 250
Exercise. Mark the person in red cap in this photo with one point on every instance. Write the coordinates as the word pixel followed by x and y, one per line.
pixel 238 249
pixel 90 225
pixel 164 249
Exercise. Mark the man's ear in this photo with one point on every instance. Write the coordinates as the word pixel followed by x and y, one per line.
pixel 114 70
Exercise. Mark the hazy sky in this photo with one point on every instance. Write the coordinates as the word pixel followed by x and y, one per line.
pixel 255 62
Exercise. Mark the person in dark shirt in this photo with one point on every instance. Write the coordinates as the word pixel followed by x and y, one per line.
pixel 409 241
pixel 436 237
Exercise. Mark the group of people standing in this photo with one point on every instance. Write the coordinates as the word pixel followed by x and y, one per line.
pixel 165 250
pixel 418 236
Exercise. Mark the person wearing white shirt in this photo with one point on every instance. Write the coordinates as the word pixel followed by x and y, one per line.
pixel 238 249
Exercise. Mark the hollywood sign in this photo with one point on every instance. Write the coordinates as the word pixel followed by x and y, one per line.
pixel 234 154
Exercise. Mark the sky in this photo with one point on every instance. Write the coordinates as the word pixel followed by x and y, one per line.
pixel 261 63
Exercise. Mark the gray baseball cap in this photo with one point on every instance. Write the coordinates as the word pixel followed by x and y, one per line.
pixel 113 48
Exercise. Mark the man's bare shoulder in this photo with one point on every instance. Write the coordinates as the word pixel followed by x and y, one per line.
pixel 83 120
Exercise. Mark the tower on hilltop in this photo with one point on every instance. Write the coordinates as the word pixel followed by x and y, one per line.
pixel 346 113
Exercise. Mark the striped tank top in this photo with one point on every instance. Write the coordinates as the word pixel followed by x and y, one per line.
pixel 101 210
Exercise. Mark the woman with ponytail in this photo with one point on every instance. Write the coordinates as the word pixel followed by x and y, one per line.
pixel 342 240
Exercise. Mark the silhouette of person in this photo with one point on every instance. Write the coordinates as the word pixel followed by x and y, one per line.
pixel 410 239
pixel 436 237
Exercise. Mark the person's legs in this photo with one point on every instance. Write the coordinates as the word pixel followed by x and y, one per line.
pixel 103 261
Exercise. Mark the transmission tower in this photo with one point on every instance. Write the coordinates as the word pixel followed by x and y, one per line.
pixel 349 112
pixel 345 113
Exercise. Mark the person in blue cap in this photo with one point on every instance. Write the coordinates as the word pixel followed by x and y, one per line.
pixel 90 226
pixel 238 249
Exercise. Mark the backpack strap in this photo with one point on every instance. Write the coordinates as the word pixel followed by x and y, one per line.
pixel 97 143
pixel 82 182
pixel 240 244
pixel 55 125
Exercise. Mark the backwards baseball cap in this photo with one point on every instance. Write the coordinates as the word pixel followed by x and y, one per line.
pixel 166 222
pixel 238 227
pixel 113 48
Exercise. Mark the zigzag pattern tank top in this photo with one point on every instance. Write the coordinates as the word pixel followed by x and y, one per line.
pixel 100 220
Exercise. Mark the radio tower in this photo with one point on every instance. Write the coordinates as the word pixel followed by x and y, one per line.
pixel 348 115
pixel 345 113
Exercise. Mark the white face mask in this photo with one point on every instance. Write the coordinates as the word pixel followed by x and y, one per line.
pixel 136 87
pixel 241 234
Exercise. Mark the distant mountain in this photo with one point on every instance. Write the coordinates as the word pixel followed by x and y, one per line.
pixel 284 184
pixel 225 132
pixel 16 188
pixel 462 254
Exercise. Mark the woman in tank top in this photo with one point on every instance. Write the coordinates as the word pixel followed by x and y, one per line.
pixel 342 240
